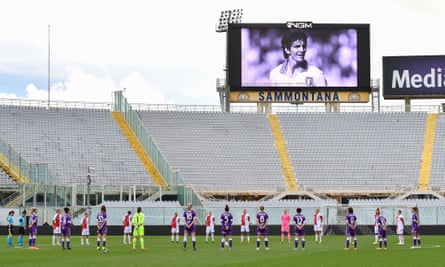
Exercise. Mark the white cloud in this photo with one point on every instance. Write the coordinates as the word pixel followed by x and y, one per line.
pixel 83 86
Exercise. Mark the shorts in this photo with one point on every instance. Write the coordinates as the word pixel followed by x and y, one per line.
pixel 285 228
pixel 57 230
pixel 382 234
pixel 262 231
pixel 21 230
pixel 351 232
pixel 66 231
pixel 127 229
pixel 102 231
pixel 210 229
pixel 175 230
pixel 376 229
pixel 190 230
pixel 85 231
pixel 138 231
pixel 245 228
pixel 299 232
pixel 400 231
pixel 225 232
pixel 318 227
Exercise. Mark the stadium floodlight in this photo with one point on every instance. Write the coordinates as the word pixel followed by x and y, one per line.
pixel 232 16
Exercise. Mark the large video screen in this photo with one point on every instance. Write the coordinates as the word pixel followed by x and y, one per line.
pixel 297 56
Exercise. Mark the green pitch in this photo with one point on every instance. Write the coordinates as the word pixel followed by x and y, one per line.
pixel 161 252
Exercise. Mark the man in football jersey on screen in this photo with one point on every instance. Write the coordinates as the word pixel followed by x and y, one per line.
pixel 295 70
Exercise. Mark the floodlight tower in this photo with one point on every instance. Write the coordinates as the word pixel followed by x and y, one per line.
pixel 227 17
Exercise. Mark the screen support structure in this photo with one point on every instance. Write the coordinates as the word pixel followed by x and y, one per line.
pixel 232 16
pixel 375 95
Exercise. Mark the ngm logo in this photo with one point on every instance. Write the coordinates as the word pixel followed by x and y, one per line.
pixel 299 24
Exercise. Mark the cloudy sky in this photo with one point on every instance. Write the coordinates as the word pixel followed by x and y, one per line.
pixel 168 51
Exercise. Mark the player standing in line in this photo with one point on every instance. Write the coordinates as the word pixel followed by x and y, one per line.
pixel 138 223
pixel 10 227
pixel 101 221
pixel 261 220
pixel 245 226
pixel 175 227
pixel 210 227
pixel 85 231
pixel 33 221
pixel 415 227
pixel 56 227
pixel 22 226
pixel 285 225
pixel 382 224
pixel 299 222
pixel 318 226
pixel 127 228
pixel 189 226
pixel 226 227
pixel 400 227
pixel 376 227
pixel 351 228
pixel 65 224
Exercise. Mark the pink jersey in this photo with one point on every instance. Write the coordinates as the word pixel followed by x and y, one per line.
pixel 285 219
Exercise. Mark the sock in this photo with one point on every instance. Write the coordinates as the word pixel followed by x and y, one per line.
pixel 223 243
pixel 303 243
pixel 134 242
pixel 142 242
pixel 355 243
pixel 63 243
pixel 266 242
pixel 347 243
pixel 194 242
pixel 385 243
pixel 104 242
pixel 258 243
pixel 20 240
pixel 98 242
pixel 380 243
pixel 418 241
pixel 414 241
pixel 282 236
pixel 296 243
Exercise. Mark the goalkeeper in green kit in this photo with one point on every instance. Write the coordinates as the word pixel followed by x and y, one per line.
pixel 138 231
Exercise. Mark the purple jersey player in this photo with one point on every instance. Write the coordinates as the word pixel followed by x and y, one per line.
pixel 351 228
pixel 382 224
pixel 33 220
pixel 65 224
pixel 415 227
pixel 189 226
pixel 261 220
pixel 299 222
pixel 101 221
pixel 226 227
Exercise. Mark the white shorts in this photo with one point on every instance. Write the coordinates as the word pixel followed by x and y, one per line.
pixel 127 230
pixel 85 231
pixel 245 228
pixel 57 230
pixel 376 229
pixel 210 229
pixel 400 231
pixel 175 230
pixel 318 227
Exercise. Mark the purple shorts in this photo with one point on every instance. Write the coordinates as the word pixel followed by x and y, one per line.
pixel 190 230
pixel 299 232
pixel 225 232
pixel 261 231
pixel 66 231
pixel 350 232
pixel 102 230
pixel 382 233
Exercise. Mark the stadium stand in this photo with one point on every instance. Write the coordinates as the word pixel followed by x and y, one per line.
pixel 355 152
pixel 218 151
pixel 71 139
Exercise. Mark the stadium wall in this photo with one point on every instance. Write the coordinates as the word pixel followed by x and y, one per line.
pixel 273 230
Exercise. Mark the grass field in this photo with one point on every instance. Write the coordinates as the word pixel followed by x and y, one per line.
pixel 161 252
